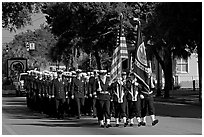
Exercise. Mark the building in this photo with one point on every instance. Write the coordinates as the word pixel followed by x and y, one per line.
pixel 186 71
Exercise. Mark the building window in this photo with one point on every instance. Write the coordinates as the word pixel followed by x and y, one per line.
pixel 182 65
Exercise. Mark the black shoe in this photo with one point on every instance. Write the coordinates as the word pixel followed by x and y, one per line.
pixel 117 125
pixel 131 124
pixel 139 124
pixel 143 123
pixel 78 117
pixel 102 126
pixel 94 116
pixel 108 125
pixel 125 124
pixel 155 122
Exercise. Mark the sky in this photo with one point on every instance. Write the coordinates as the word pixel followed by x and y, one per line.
pixel 37 20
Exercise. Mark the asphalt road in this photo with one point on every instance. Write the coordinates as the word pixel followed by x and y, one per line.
pixel 174 119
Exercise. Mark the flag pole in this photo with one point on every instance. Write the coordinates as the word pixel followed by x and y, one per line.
pixel 121 31
pixel 137 27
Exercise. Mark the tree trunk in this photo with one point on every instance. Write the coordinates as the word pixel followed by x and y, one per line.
pixel 158 81
pixel 200 71
pixel 161 62
pixel 167 73
pixel 98 59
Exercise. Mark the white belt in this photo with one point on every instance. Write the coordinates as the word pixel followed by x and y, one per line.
pixel 104 92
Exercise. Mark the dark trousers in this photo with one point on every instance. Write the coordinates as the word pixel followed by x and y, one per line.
pixel 80 105
pixel 39 104
pixel 112 108
pixel 67 106
pixel 49 106
pixel 28 99
pixel 147 105
pixel 134 108
pixel 59 107
pixel 72 107
pixel 103 109
pixel 88 106
pixel 94 106
pixel 120 109
pixel 32 99
pixel 52 107
pixel 46 106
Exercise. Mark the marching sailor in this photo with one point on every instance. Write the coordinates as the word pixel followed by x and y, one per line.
pixel 103 98
pixel 119 99
pixel 134 100
pixel 59 93
pixel 148 102
pixel 92 90
pixel 78 92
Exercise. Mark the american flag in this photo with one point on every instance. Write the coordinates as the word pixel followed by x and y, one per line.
pixel 119 54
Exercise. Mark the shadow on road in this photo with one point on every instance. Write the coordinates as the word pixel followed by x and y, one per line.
pixel 15 108
pixel 178 110
pixel 79 123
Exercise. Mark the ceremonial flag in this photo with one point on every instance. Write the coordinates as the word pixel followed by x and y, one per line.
pixel 141 66
pixel 119 54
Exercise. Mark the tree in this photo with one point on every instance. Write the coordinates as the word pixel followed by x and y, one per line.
pixel 91 27
pixel 16 15
pixel 174 29
pixel 43 40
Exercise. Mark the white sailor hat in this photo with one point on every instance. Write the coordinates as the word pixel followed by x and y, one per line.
pixel 102 72
pixel 73 72
pixel 95 70
pixel 59 71
pixel 78 71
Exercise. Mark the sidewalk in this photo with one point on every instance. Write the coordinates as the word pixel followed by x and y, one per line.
pixel 8 92
pixel 181 97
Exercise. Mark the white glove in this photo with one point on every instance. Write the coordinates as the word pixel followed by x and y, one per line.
pixel 142 96
pixel 136 84
pixel 90 95
pixel 72 96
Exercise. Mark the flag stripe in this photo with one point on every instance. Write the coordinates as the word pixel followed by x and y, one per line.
pixel 119 53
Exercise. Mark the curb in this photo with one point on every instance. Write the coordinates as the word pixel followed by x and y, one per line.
pixel 178 102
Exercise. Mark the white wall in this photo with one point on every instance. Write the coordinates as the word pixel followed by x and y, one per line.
pixel 186 79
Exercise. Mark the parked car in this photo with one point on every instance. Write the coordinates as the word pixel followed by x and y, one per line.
pixel 19 84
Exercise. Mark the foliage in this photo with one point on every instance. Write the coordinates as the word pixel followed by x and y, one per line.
pixel 43 40
pixel 16 15
pixel 173 29
pixel 91 27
